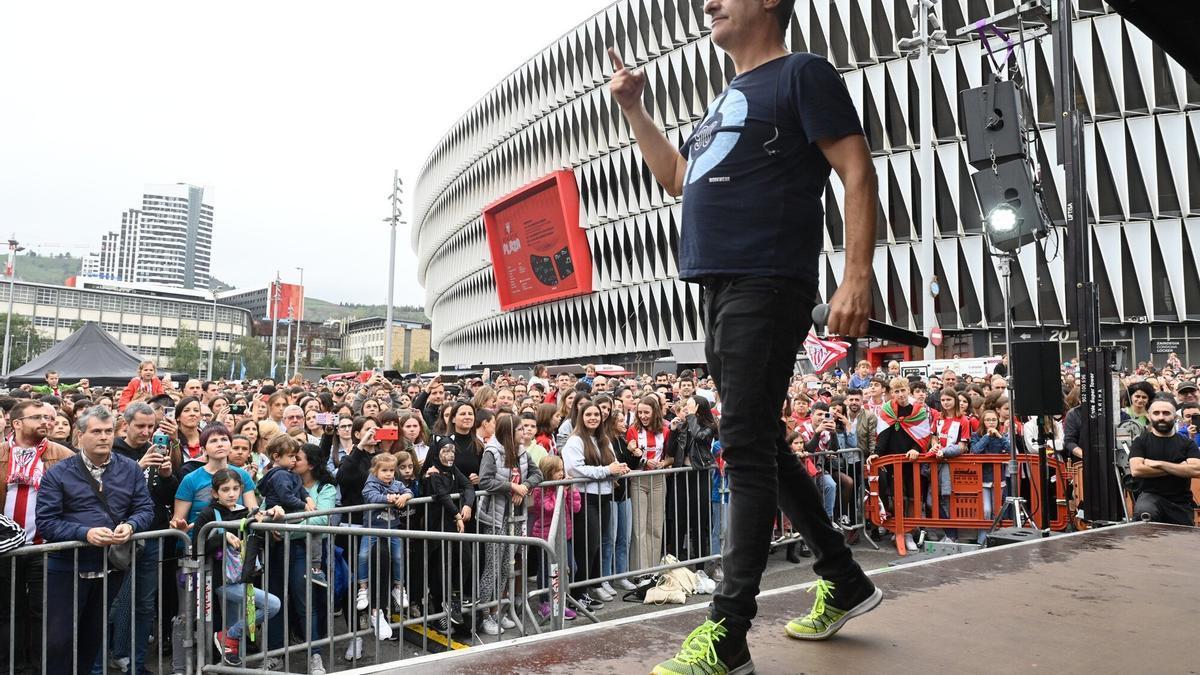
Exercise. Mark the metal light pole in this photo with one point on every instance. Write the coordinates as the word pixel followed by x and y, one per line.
pixel 299 320
pixel 10 270
pixel 287 360
pixel 397 188
pixel 925 67
pixel 926 41
pixel 212 344
pixel 272 303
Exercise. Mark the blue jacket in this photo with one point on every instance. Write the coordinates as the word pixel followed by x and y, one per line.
pixel 375 491
pixel 67 507
pixel 983 444
pixel 281 487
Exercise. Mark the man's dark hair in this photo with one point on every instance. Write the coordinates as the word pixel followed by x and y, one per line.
pixel 686 375
pixel 52 400
pixel 853 391
pixel 819 405
pixel 7 403
pixel 20 394
pixel 783 14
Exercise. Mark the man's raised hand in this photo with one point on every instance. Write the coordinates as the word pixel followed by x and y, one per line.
pixel 626 85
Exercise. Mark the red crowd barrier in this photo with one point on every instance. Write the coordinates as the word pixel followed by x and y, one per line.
pixel 966 508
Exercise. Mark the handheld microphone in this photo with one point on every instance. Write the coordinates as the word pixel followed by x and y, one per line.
pixel 875 329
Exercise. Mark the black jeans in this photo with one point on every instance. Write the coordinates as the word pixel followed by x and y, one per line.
pixel 24 615
pixel 755 327
pixel 76 610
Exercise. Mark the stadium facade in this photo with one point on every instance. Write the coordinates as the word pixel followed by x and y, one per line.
pixel 554 113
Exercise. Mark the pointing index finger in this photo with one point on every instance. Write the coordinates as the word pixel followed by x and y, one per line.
pixel 618 64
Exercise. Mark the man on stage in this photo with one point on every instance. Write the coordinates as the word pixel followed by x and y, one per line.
pixel 752 175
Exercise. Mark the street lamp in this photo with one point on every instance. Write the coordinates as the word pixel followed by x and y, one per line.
pixel 212 344
pixel 273 313
pixel 300 318
pixel 10 270
pixel 394 220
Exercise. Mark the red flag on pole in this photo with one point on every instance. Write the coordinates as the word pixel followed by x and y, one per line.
pixel 823 353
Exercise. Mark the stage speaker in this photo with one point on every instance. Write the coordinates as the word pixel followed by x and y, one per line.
pixel 1013 209
pixel 1036 378
pixel 993 119
pixel 1012 535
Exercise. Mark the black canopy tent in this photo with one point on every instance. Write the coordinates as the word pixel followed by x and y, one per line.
pixel 89 352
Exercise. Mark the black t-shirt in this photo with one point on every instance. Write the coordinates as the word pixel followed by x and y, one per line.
pixel 1174 449
pixel 747 211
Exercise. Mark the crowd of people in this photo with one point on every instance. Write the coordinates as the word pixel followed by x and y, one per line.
pixel 98 465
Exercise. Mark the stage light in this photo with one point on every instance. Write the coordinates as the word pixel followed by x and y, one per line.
pixel 1002 219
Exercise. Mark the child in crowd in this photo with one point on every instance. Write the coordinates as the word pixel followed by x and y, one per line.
pixel 989 441
pixel 542 504
pixel 383 488
pixel 507 473
pixel 527 436
pixel 441 480
pixel 237 553
pixel 280 487
pixel 239 456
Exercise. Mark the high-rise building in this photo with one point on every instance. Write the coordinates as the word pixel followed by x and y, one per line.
pixel 167 241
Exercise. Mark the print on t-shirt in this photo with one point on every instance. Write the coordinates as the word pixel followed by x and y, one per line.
pixel 717 135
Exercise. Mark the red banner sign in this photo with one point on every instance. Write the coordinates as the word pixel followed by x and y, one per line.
pixel 539 252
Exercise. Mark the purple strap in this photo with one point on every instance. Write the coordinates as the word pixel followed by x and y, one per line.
pixel 982 27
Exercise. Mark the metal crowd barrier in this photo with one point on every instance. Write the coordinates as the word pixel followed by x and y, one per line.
pixel 133 608
pixel 534 585
pixel 971 501
pixel 442 576
pixel 842 483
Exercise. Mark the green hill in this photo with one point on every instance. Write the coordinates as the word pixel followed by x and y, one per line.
pixel 321 310
pixel 45 269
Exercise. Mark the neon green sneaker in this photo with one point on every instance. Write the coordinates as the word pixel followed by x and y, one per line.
pixel 824 620
pixel 698 655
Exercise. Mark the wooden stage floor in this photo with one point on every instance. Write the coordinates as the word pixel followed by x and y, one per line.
pixel 1115 600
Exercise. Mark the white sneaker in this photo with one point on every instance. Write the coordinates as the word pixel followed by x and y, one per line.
pixel 507 623
pixel 598 593
pixel 354 649
pixel 626 585
pixel 315 665
pixel 607 588
pixel 909 544
pixel 702 574
pixel 400 597
pixel 379 621
pixel 361 600
pixel 490 626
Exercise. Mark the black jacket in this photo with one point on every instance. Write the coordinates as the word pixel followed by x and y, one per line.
pixel 162 488
pixel 351 477
pixel 447 481
pixel 1071 424
pixel 694 442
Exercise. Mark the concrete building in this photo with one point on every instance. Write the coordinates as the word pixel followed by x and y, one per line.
pixel 167 241
pixel 555 113
pixel 147 319
pixel 411 342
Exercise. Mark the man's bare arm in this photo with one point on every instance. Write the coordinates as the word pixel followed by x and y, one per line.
pixel 663 158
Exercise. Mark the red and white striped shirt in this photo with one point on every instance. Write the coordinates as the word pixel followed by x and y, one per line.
pixel 25 471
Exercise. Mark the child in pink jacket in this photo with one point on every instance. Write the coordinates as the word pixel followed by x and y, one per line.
pixel 541 515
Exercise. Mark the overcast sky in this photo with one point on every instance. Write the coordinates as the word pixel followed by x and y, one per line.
pixel 295 113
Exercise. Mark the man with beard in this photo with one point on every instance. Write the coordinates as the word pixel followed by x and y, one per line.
pixel 1166 463
pixel 24 460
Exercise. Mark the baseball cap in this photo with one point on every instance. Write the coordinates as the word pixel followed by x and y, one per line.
pixel 1185 386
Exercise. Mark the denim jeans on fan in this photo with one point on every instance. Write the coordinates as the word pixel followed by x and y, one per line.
pixel 755 326
pixel 828 492
pixel 141 615
pixel 614 544
pixel 395 552
pixel 232 598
